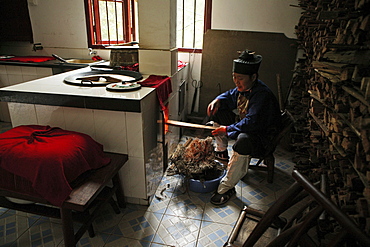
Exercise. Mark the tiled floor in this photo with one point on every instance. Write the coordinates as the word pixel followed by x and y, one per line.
pixel 174 218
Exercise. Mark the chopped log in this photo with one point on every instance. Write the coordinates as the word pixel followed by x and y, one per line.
pixel 341 107
pixel 347 73
pixel 356 94
pixel 337 138
pixel 348 144
pixel 365 122
pixel 356 76
pixel 347 132
pixel 363 207
pixel 365 24
pixel 337 58
pixel 327 15
pixel 350 57
pixel 365 141
pixel 358 163
pixel 365 87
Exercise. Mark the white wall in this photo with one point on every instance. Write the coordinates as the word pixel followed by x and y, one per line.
pixel 59 26
pixel 256 15
pixel 59 23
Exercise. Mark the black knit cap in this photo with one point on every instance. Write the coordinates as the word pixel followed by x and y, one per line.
pixel 248 63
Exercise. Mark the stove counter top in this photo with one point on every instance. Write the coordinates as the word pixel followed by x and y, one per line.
pixel 52 90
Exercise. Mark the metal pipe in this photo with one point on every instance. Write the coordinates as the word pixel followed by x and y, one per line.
pixel 194 21
pixel 115 12
pixel 183 23
pixel 239 223
pixel 106 11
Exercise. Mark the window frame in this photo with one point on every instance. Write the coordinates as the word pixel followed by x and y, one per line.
pixel 207 25
pixel 130 17
pixel 93 31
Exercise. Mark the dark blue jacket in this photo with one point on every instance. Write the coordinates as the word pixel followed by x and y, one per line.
pixel 263 111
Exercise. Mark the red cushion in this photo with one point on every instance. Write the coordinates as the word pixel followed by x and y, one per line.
pixel 50 158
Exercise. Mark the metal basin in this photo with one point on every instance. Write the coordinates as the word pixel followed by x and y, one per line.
pixel 82 61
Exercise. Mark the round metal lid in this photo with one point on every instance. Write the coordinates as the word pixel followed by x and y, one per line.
pixel 98 78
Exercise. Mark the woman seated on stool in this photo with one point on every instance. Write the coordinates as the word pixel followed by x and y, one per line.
pixel 250 114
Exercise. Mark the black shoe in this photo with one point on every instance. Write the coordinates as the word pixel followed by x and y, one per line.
pixel 223 155
pixel 219 199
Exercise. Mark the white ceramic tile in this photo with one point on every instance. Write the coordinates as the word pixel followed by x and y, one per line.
pixel 177 231
pixel 124 174
pixel 13 70
pixel 155 32
pixel 185 206
pixel 4 81
pixel 43 230
pixel 3 70
pixel 110 128
pixel 213 234
pixel 173 108
pixel 28 70
pixel 139 225
pixel 41 71
pixel 227 213
pixel 174 61
pixel 133 200
pixel 150 117
pixel 11 230
pixel 150 141
pixel 15 79
pixel 80 120
pixel 30 77
pixel 50 115
pixel 137 174
pixel 134 134
pixel 4 112
pixel 22 114
pixel 149 102
pixel 157 62
pixel 132 177
pixel 143 202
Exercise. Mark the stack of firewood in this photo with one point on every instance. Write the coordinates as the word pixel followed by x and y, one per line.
pixel 331 92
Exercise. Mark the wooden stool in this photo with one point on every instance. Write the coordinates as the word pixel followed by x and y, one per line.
pixel 90 193
pixel 287 121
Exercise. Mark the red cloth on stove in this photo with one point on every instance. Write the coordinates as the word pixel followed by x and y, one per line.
pixel 163 87
pixel 28 59
pixel 50 158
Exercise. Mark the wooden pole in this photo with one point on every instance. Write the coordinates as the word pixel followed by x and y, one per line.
pixel 280 94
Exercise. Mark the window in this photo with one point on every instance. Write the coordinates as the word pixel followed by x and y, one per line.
pixel 114 22
pixel 110 22
pixel 193 19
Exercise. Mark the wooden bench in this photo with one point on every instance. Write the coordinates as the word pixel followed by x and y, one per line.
pixel 308 213
pixel 91 191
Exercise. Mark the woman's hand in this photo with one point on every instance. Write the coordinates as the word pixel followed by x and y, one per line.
pixel 213 107
pixel 221 131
